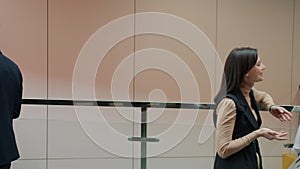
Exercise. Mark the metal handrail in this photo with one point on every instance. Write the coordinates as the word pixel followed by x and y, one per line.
pixel 105 103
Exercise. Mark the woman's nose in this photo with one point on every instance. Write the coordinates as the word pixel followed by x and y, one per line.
pixel 263 67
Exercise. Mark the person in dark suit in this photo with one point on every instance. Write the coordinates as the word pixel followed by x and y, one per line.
pixel 238 118
pixel 11 88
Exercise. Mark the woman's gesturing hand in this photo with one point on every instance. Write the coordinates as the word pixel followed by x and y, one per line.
pixel 281 113
pixel 271 134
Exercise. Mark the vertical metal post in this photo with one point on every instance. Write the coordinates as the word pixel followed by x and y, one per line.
pixel 143 137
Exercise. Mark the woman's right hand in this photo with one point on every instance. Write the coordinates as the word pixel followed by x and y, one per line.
pixel 271 134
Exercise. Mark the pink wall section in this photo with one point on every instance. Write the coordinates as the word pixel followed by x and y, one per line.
pixel 71 24
pixel 46 44
pixel 23 33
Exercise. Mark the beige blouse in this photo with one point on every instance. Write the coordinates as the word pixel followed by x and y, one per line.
pixel 226 112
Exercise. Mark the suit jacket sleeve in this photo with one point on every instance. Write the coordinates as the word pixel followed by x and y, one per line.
pixel 263 99
pixel 19 93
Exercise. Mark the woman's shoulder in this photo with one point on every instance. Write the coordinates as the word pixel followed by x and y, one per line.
pixel 227 103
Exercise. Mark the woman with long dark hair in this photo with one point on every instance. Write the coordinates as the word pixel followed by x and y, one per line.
pixel 237 109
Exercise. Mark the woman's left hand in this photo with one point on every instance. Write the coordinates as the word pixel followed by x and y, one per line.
pixel 281 113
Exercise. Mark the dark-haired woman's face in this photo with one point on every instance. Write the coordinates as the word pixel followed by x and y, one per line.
pixel 255 74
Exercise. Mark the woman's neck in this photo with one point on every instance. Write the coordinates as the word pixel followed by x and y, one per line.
pixel 246 88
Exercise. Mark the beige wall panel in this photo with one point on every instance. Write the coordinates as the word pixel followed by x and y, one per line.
pixel 201 13
pixel 115 73
pixel 23 32
pixel 296 68
pixel 296 57
pixel 266 25
pixel 272 162
pixel 158 84
pixel 71 23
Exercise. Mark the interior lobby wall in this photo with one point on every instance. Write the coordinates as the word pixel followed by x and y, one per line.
pixel 47 39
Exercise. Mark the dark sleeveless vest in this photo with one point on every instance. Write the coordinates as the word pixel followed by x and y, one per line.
pixel 245 123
